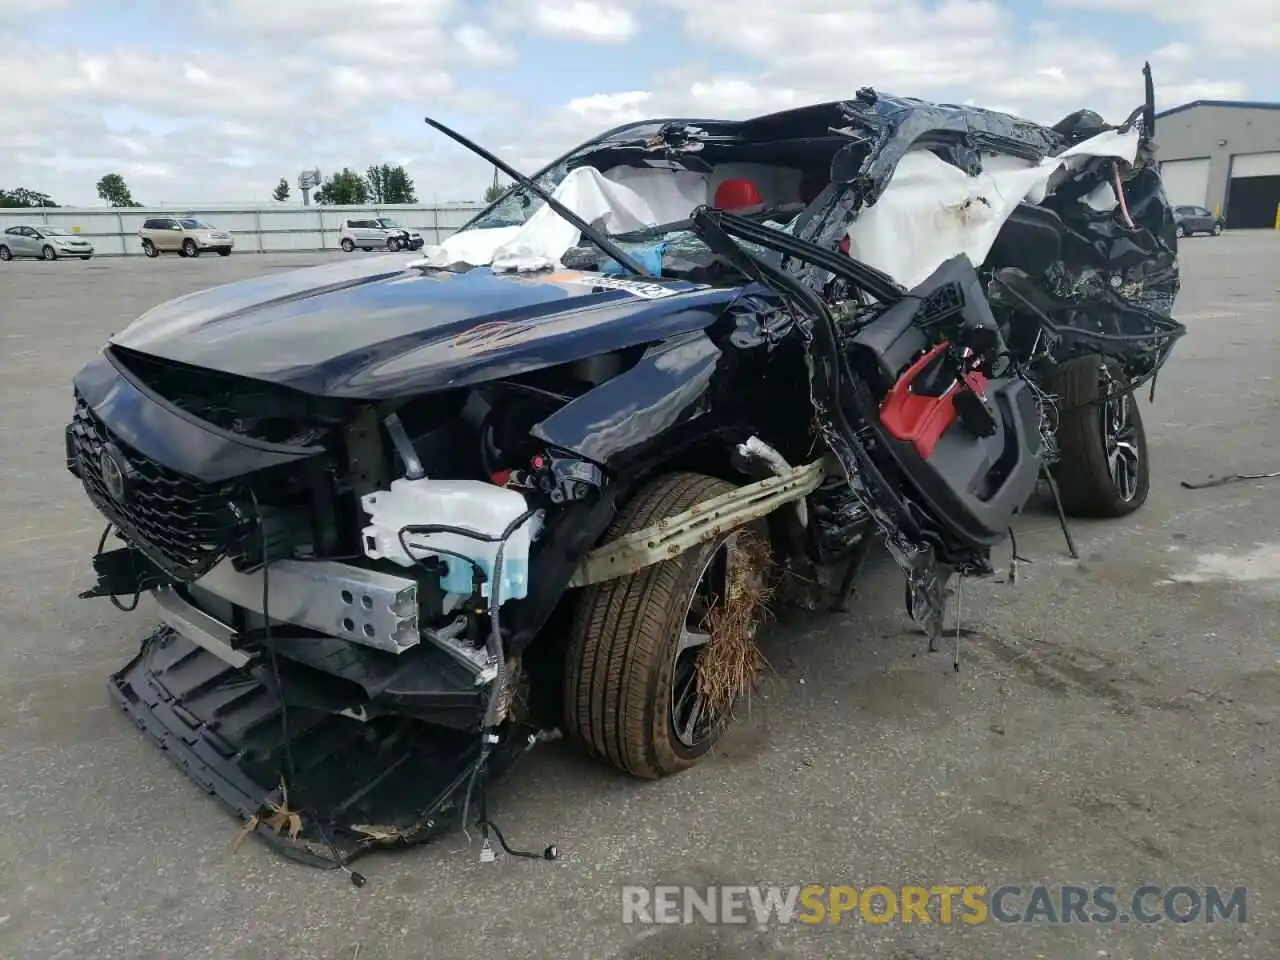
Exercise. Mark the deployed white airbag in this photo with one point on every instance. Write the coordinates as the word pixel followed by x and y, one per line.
pixel 932 211
pixel 541 241
pixel 929 212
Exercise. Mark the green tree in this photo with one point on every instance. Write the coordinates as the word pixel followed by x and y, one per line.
pixel 281 191
pixel 388 184
pixel 115 191
pixel 347 188
pixel 22 197
pixel 494 191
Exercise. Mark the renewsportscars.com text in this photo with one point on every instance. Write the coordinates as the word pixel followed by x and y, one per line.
pixel 818 904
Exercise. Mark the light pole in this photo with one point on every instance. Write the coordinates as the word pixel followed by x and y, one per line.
pixel 308 179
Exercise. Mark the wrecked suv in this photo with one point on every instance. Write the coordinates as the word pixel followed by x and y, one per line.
pixel 400 519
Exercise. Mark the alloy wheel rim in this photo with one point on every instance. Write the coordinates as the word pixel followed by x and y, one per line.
pixel 1120 437
pixel 692 722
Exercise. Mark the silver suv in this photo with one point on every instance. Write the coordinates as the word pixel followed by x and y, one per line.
pixel 378 232
pixel 186 236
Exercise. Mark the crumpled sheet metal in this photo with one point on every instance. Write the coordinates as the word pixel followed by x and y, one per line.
pixel 1132 274
pixel 890 126
pixel 1131 270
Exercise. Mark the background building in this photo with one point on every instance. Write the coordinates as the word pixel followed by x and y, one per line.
pixel 1223 155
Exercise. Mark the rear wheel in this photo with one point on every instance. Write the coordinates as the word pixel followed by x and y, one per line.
pixel 1103 470
pixel 633 695
pixel 1179 231
pixel 149 249
pixel 347 245
pixel 5 253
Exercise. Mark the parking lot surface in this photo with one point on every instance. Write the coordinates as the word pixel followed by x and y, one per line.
pixel 1116 719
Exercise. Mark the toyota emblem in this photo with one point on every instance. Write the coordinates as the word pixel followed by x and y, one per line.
pixel 112 474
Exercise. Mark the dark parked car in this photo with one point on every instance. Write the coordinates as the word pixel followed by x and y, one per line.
pixel 547 479
pixel 1191 220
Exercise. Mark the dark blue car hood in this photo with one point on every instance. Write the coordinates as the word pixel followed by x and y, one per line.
pixel 377 328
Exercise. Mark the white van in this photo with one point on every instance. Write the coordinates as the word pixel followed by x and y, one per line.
pixel 369 233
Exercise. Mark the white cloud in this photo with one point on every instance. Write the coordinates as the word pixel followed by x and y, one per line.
pixel 259 89
pixel 1226 29
pixel 610 109
pixel 593 21
pixel 482 47
pixel 585 19
pixel 14 9
pixel 390 34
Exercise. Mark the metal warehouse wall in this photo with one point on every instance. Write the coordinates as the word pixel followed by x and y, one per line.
pixel 1199 132
pixel 256 228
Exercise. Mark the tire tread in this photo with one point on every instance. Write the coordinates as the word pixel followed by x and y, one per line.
pixel 620 633
pixel 1084 481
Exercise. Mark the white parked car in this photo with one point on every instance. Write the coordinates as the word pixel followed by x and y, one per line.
pixel 378 232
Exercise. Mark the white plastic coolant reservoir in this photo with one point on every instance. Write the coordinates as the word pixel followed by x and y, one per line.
pixel 470 504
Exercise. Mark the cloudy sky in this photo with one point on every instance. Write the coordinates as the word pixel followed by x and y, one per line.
pixel 214 100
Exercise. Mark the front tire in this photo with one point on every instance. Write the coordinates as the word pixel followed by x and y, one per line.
pixel 189 248
pixel 1103 470
pixel 224 252
pixel 631 695
pixel 1179 231
pixel 48 253
pixel 1217 229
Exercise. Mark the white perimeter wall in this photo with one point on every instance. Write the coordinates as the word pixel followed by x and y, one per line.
pixel 257 229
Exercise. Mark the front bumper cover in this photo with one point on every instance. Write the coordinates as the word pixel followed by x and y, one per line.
pixel 357 787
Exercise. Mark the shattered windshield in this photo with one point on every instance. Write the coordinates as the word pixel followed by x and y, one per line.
pixel 517 205
pixel 667 245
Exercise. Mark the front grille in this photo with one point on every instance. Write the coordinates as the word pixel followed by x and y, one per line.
pixel 183 525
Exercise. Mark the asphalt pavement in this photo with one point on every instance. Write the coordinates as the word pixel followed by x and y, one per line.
pixel 1115 721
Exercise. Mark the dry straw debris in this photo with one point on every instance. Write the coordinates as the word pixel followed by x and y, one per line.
pixel 732 660
pixel 279 817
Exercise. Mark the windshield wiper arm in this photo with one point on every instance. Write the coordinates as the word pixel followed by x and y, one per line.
pixel 588 231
